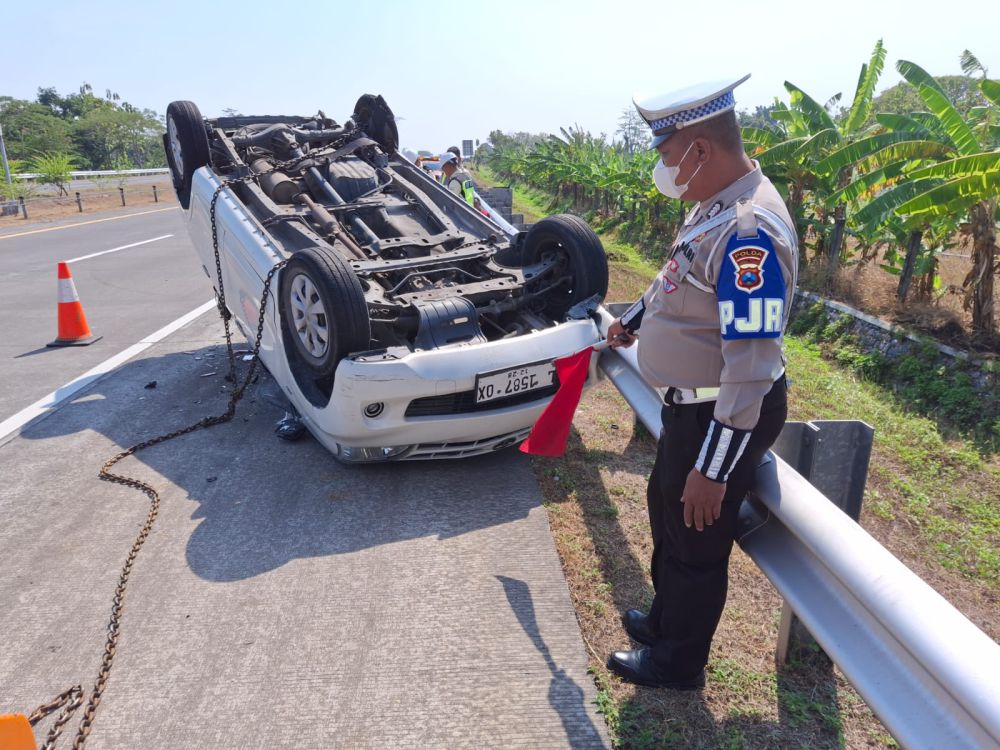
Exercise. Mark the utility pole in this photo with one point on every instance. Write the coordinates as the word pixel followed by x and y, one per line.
pixel 3 154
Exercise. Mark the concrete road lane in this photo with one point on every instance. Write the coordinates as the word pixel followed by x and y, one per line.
pixel 126 295
pixel 282 600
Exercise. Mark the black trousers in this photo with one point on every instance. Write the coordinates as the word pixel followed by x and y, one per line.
pixel 690 568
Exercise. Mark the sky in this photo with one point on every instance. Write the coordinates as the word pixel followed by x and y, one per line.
pixel 453 70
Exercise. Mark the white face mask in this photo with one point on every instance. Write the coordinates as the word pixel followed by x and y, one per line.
pixel 665 177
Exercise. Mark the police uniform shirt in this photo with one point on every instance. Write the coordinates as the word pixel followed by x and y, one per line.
pixel 455 182
pixel 715 314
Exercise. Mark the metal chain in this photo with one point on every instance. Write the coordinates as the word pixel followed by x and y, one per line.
pixel 73 697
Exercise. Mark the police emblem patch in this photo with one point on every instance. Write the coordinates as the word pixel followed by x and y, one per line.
pixel 672 265
pixel 669 287
pixel 749 262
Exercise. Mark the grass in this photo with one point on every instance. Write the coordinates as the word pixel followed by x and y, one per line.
pixel 932 500
pixel 919 381
pixel 942 488
pixel 532 204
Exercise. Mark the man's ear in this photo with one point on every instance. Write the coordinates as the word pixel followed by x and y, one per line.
pixel 703 148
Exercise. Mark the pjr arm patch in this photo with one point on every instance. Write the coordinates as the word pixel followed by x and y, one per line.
pixel 751 289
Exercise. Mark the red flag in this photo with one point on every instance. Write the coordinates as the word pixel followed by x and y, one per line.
pixel 548 436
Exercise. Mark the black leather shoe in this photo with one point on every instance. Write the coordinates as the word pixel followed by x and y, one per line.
pixel 639 668
pixel 638 628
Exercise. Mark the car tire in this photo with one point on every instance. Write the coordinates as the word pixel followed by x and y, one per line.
pixel 186 144
pixel 373 115
pixel 577 250
pixel 324 316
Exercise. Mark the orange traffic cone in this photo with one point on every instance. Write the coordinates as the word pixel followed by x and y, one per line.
pixel 73 328
pixel 15 732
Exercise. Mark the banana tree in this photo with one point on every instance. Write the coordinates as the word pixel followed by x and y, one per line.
pixel 933 167
pixel 794 154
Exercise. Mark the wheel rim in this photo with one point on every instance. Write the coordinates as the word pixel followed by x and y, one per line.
pixel 309 316
pixel 175 145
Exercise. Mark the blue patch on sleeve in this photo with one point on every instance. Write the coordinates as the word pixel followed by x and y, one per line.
pixel 751 289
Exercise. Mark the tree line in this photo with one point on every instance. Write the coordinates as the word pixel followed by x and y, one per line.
pixel 901 174
pixel 81 130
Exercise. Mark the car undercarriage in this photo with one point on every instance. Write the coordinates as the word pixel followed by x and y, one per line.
pixel 430 270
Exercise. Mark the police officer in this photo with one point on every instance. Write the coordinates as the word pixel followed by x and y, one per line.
pixel 457 179
pixel 711 334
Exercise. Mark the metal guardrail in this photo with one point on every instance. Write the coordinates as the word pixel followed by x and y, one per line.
pixel 928 673
pixel 97 173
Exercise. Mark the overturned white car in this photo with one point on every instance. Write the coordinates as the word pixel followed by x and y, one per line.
pixel 403 323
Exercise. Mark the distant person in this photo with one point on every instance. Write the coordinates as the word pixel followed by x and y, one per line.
pixel 458 180
pixel 458 154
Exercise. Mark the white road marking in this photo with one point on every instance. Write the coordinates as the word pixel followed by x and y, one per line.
pixel 47 404
pixel 116 249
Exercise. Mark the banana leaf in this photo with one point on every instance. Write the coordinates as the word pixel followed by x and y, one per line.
pixel 867 182
pixel 862 104
pixel 821 140
pixel 939 103
pixel 953 196
pixel 991 90
pixel 902 123
pixel 867 147
pixel 819 118
pixel 978 114
pixel 760 136
pixel 963 166
pixel 781 152
pixel 879 210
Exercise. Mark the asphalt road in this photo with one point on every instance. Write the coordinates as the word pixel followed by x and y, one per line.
pixel 126 295
pixel 282 599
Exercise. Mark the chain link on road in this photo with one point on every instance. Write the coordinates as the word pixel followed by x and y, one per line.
pixel 72 698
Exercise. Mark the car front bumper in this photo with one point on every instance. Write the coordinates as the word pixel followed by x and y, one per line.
pixel 371 414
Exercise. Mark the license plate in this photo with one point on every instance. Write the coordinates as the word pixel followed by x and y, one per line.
pixel 506 383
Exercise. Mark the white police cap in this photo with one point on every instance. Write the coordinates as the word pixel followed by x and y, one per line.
pixel 667 113
pixel 446 157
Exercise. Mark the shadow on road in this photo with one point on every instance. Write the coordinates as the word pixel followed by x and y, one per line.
pixel 565 696
pixel 264 502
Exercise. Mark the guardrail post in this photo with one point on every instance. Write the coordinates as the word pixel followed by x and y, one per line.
pixel 833 456
pixel 121 190
pixel 24 208
pixel 155 199
pixel 79 203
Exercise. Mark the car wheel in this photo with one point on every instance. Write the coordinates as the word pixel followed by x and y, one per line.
pixel 578 254
pixel 324 315
pixel 373 115
pixel 186 144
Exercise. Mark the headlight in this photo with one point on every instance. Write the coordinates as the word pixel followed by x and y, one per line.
pixel 353 454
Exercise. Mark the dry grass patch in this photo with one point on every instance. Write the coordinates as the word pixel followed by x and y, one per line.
pixel 942 314
pixel 596 500
pixel 48 208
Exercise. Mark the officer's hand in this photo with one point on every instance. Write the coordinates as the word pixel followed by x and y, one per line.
pixel 618 336
pixel 702 500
